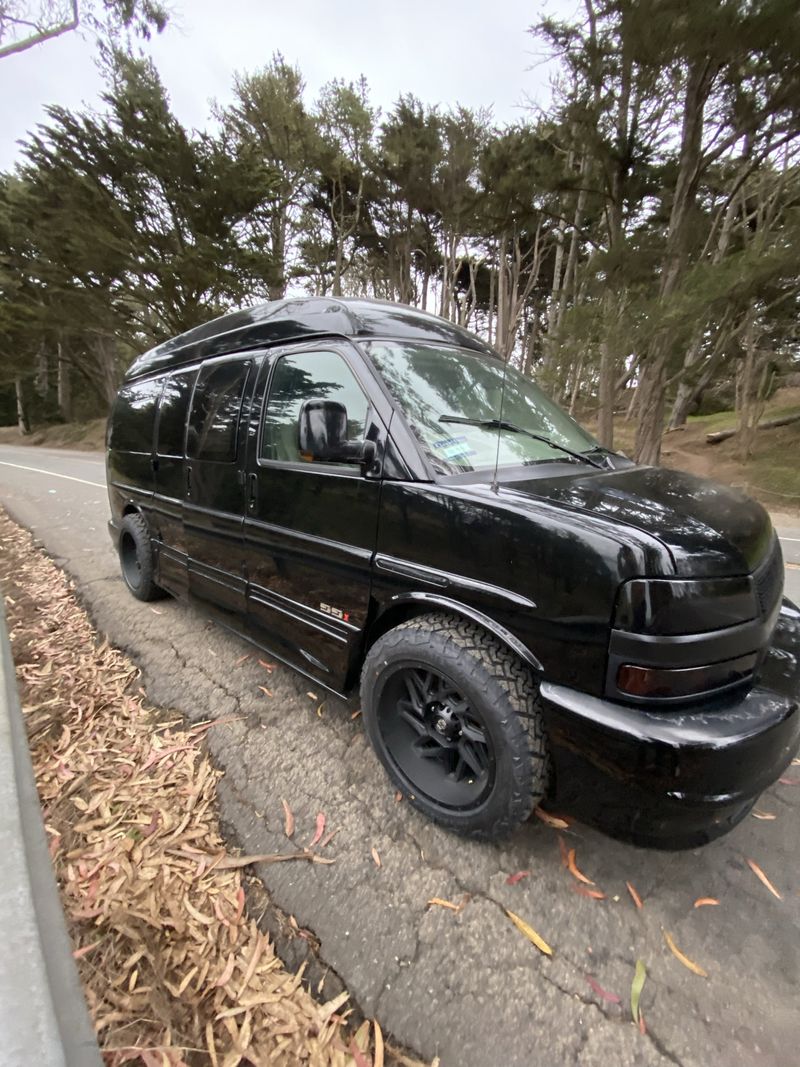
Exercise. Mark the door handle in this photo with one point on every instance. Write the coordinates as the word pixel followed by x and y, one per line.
pixel 252 491
pixel 188 481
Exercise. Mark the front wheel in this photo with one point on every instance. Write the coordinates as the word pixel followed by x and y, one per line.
pixel 455 719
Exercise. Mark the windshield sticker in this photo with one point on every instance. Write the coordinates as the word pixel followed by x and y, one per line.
pixel 450 447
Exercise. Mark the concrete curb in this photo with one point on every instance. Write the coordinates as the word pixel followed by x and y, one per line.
pixel 43 1016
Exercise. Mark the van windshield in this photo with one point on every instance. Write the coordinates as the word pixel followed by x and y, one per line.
pixel 430 383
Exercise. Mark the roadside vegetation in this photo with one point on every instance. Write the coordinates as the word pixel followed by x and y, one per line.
pixel 633 245
pixel 175 971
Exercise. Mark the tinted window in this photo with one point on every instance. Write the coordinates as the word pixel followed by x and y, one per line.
pixel 172 413
pixel 217 402
pixel 466 387
pixel 135 415
pixel 308 376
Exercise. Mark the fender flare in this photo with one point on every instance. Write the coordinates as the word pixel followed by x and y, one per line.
pixel 434 602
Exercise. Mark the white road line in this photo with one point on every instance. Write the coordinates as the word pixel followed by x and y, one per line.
pixel 67 477
pixel 797 539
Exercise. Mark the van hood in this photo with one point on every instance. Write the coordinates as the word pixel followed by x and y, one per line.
pixel 710 530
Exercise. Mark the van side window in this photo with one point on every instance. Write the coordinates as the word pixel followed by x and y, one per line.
pixel 172 413
pixel 216 406
pixel 135 416
pixel 308 376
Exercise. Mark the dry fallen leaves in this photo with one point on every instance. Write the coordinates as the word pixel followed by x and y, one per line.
pixel 530 933
pixel 562 847
pixel 320 830
pixel 558 822
pixel 637 900
pixel 754 867
pixel 637 985
pixel 704 902
pixel 440 903
pixel 572 867
pixel 592 894
pixel 514 878
pixel 604 994
pixel 173 970
pixel 676 952
pixel 767 816
pixel 288 819
pixel 375 857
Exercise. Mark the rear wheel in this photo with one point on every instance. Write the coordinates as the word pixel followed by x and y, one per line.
pixel 136 558
pixel 455 719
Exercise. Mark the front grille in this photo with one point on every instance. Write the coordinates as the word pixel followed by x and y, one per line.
pixel 769 580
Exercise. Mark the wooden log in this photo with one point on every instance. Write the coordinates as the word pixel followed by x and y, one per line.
pixel 723 435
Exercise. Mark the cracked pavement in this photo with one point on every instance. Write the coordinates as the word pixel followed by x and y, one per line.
pixel 468 986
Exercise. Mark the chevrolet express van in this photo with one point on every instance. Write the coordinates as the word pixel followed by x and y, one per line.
pixel 369 493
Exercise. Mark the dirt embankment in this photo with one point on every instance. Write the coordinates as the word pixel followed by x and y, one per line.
pixel 83 436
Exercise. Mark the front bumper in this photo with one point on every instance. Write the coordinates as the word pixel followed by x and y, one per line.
pixel 114 532
pixel 677 777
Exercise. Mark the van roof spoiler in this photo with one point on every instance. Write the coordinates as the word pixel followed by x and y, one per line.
pixel 281 321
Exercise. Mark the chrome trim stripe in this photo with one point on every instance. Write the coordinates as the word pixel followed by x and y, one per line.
pixel 447 580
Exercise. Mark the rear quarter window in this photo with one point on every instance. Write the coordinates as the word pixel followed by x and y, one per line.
pixel 172 412
pixel 134 418
pixel 216 408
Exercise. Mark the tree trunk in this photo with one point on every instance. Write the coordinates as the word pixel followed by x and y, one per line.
pixel 690 392
pixel 490 327
pixel 573 400
pixel 770 424
pixel 64 387
pixel 606 396
pixel 650 403
pixel 752 388
pixel 41 382
pixel 22 414
pixel 654 370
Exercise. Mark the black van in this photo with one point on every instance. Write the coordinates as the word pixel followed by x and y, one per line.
pixel 371 494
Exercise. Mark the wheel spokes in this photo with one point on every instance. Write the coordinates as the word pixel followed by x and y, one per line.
pixel 428 748
pixel 472 732
pixel 472 756
pixel 418 686
pixel 410 715
pixel 439 741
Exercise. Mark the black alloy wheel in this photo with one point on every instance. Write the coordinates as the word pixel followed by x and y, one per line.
pixel 129 559
pixel 455 719
pixel 437 741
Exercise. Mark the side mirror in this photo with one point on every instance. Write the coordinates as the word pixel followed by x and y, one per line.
pixel 322 433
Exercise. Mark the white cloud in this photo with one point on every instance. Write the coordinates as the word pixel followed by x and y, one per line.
pixel 444 51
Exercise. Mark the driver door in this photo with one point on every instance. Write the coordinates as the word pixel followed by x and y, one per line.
pixel 310 527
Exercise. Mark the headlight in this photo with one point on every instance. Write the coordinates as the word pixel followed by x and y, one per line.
pixel 668 606
pixel 673 639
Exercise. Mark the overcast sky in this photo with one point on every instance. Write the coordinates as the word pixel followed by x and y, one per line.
pixel 444 51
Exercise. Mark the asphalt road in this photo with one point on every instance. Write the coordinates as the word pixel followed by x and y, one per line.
pixel 467 986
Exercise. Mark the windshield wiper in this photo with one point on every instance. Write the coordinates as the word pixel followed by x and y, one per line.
pixel 501 424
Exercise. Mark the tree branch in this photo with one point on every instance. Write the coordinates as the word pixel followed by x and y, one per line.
pixel 42 35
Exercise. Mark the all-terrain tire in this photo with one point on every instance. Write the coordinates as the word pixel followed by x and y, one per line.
pixel 502 694
pixel 136 558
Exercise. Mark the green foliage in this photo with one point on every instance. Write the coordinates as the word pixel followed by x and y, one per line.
pixel 643 232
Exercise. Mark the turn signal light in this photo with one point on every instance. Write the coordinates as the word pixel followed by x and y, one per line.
pixel 663 682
